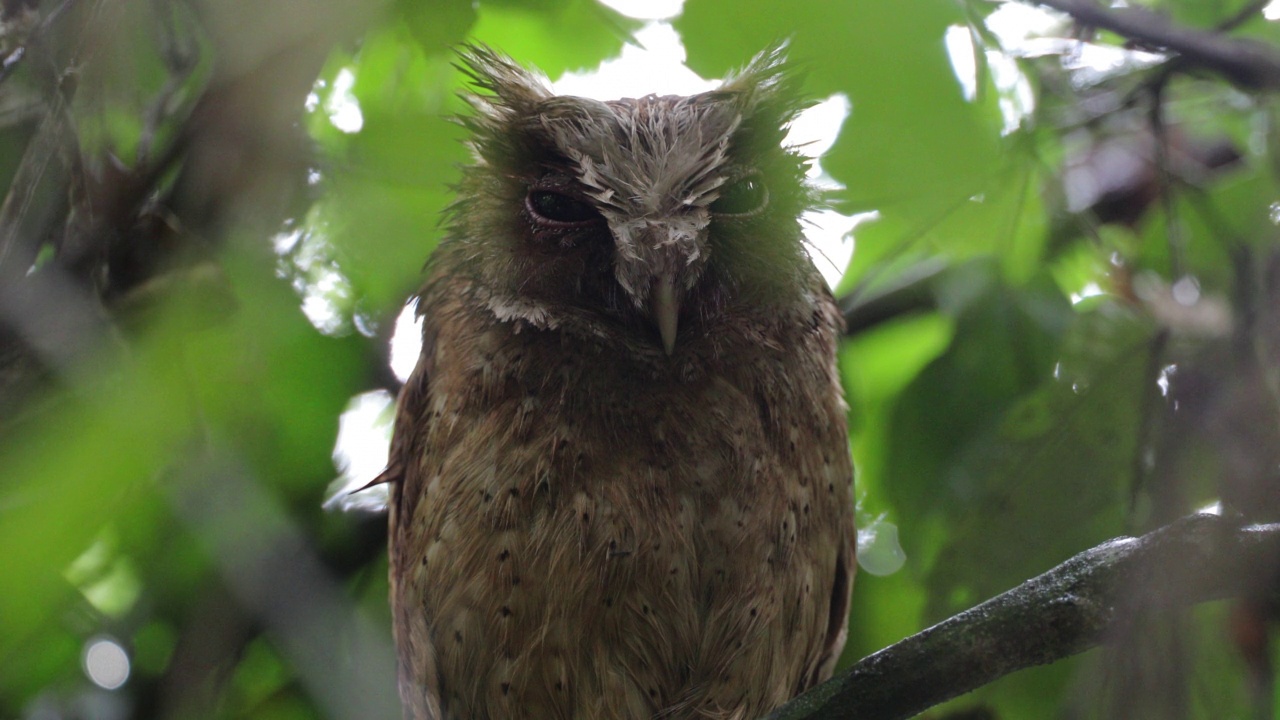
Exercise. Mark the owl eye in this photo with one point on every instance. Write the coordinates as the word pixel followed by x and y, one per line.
pixel 741 197
pixel 553 208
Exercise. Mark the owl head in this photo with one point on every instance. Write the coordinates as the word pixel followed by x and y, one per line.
pixel 656 216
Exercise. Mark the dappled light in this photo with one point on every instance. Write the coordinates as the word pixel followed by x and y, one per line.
pixel 106 663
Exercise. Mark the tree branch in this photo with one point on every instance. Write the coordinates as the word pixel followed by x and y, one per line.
pixel 1065 611
pixel 911 292
pixel 1247 63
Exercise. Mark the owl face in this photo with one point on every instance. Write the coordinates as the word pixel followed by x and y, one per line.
pixel 659 215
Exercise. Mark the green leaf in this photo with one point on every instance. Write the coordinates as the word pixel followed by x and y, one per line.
pixel 1049 475
pixel 554 36
pixel 437 26
pixel 387 185
pixel 912 148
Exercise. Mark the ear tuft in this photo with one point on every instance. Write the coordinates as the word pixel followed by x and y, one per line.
pixel 503 95
pixel 501 81
pixel 768 88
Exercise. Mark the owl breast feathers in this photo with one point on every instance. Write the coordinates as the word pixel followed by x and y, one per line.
pixel 621 484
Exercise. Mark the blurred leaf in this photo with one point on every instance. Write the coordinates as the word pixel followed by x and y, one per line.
pixel 115 592
pixel 884 610
pixel 1205 15
pixel 1210 225
pixel 50 660
pixel 1032 693
pixel 270 382
pixel 1051 476
pixel 388 183
pixel 63 489
pixel 439 25
pixel 1006 342
pixel 1204 642
pixel 554 36
pixel 153 647
pixel 260 675
pixel 114 106
pixel 1005 220
pixel 912 148
pixel 876 365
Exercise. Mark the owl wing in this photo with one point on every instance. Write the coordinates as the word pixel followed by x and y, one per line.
pixel 837 617
pixel 841 476
pixel 418 676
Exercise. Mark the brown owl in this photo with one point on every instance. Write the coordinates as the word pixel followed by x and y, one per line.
pixel 621 484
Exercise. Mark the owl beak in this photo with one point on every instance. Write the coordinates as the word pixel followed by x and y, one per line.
pixel 665 309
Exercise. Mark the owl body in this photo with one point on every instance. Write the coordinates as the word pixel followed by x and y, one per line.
pixel 622 487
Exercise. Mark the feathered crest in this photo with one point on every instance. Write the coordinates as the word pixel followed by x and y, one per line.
pixel 768 78
pixel 514 86
pixel 765 94
pixel 636 157
pixel 503 93
pixel 768 93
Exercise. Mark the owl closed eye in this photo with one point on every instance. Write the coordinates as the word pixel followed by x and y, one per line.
pixel 634 207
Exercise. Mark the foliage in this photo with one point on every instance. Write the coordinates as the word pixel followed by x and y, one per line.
pixel 1088 348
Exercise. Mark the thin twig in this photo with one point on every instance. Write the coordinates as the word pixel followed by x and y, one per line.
pixel 1247 63
pixel 909 293
pixel 1160 143
pixel 31 209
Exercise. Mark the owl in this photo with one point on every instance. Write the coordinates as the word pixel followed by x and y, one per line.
pixel 620 476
